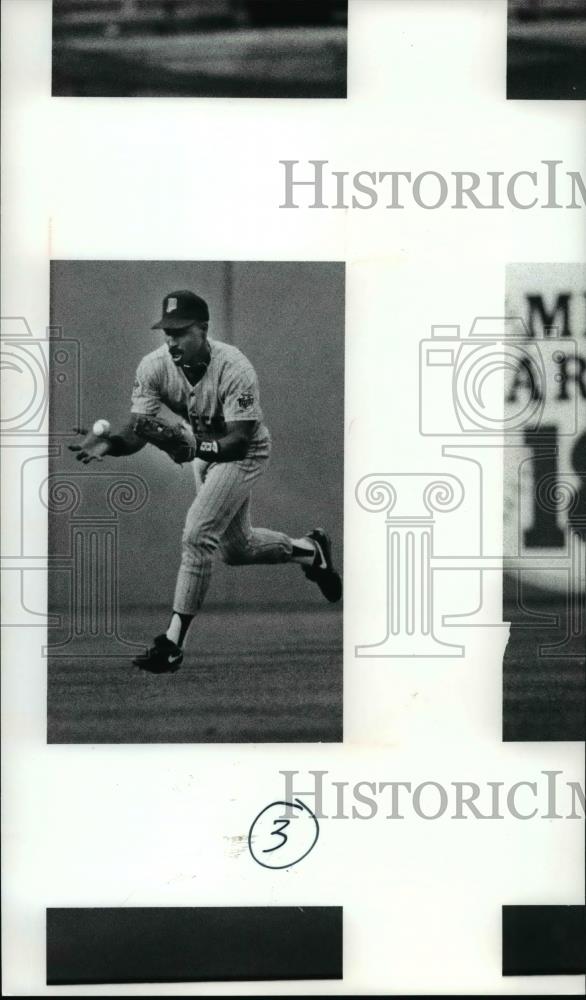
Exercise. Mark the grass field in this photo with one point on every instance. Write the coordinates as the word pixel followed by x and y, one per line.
pixel 247 676
pixel 276 676
pixel 544 690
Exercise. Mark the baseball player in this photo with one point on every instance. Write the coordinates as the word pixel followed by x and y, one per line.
pixel 212 389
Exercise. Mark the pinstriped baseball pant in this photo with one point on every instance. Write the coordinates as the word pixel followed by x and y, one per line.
pixel 219 519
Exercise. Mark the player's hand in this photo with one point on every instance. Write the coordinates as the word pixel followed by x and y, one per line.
pixel 92 448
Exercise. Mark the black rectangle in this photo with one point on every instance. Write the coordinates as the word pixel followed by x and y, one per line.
pixel 200 48
pixel 185 944
pixel 545 50
pixel 544 940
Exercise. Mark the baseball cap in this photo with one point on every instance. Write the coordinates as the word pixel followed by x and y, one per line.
pixel 181 309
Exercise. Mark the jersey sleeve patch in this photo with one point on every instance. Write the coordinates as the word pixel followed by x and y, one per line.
pixel 245 400
pixel 241 396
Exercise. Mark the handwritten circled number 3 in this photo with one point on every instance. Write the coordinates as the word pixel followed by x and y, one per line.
pixel 283 834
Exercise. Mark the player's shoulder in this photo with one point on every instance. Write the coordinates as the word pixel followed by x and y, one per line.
pixel 229 358
pixel 155 361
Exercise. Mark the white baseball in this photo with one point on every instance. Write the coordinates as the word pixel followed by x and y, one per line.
pixel 101 428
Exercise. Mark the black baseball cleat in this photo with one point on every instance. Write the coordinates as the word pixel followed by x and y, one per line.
pixel 164 657
pixel 322 569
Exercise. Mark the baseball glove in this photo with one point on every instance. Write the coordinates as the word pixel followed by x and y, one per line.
pixel 177 440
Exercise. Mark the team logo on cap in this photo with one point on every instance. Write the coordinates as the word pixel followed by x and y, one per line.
pixel 245 400
pixel 171 304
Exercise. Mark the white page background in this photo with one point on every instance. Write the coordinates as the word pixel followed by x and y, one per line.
pixel 199 179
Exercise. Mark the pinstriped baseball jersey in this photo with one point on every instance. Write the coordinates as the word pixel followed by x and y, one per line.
pixel 228 391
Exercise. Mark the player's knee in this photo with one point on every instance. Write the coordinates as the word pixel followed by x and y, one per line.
pixel 198 542
pixel 235 555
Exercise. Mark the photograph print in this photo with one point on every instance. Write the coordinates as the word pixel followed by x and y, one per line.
pixel 196 506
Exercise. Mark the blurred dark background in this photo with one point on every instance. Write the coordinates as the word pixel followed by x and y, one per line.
pixel 546 57
pixel 206 48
